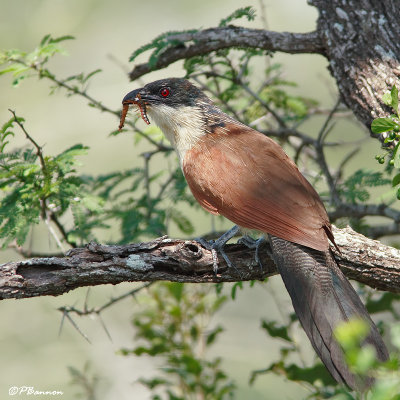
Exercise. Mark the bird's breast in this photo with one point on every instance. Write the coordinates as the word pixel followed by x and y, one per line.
pixel 183 126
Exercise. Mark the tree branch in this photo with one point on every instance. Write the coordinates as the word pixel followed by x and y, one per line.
pixel 362 259
pixel 208 40
pixel 360 43
pixel 363 210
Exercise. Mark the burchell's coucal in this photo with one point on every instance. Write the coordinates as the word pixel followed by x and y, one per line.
pixel 237 172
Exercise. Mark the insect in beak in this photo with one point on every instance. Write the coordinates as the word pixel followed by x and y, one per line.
pixel 142 108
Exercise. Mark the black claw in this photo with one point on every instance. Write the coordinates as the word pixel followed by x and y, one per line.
pixel 218 246
pixel 254 244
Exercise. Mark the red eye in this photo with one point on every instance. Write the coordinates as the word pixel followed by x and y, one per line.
pixel 164 92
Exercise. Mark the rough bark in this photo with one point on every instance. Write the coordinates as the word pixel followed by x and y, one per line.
pixel 208 40
pixel 361 42
pixel 362 259
pixel 359 38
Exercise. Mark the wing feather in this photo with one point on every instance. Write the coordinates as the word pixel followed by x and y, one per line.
pixel 262 190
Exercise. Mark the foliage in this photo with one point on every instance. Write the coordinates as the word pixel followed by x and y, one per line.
pixel 248 12
pixel 36 186
pixel 362 359
pixel 85 380
pixel 20 64
pixel 159 44
pixel 390 126
pixel 174 326
pixel 169 40
pixel 355 189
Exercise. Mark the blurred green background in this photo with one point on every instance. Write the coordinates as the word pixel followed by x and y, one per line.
pixel 107 32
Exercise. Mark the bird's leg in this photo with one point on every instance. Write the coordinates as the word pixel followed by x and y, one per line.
pixel 218 246
pixel 254 244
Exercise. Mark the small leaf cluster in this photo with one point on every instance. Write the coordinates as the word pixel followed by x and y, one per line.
pixel 362 361
pixel 95 203
pixel 35 186
pixel 356 188
pixel 21 64
pixel 131 205
pixel 229 73
pixel 293 108
pixel 248 12
pixel 173 325
pixel 170 39
pixel 160 44
pixel 391 127
pixel 315 377
pixel 86 380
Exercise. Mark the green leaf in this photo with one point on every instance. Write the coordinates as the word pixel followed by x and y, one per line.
pixel 396 180
pixel 310 375
pixel 351 333
pixel 395 99
pixel 396 156
pixel 395 335
pixel 91 74
pixel 276 331
pixel 248 12
pixel 235 286
pixel 61 39
pixel 176 289
pixel 380 125
pixel 45 39
pixel 384 303
pixel 181 221
pixel 297 106
pixel 213 335
pixel 387 98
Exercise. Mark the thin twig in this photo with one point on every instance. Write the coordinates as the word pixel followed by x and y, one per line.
pixel 38 148
pixel 47 215
pixel 319 147
pixel 61 229
pixel 47 74
pixel 165 185
pixel 147 156
pixel 111 302
pixel 66 315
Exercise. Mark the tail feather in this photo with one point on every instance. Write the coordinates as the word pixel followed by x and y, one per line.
pixel 323 298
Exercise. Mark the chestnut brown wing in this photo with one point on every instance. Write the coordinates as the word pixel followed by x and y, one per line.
pixel 248 178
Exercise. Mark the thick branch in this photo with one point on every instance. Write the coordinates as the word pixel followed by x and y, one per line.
pixel 359 38
pixel 363 50
pixel 362 259
pixel 208 40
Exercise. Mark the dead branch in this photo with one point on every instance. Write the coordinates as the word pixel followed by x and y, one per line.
pixel 362 259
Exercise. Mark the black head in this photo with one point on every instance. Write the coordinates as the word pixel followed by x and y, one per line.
pixel 173 92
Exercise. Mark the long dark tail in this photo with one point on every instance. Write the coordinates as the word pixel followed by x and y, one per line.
pixel 322 298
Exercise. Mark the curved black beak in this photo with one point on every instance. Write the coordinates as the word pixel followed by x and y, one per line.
pixel 131 96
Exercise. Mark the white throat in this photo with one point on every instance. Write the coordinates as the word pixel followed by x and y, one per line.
pixel 182 126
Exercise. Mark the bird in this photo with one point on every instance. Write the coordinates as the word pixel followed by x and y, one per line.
pixel 237 172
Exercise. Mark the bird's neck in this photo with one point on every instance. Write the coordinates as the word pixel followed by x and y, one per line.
pixel 182 126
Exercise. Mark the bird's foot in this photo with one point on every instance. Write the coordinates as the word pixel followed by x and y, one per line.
pixel 254 244
pixel 217 246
